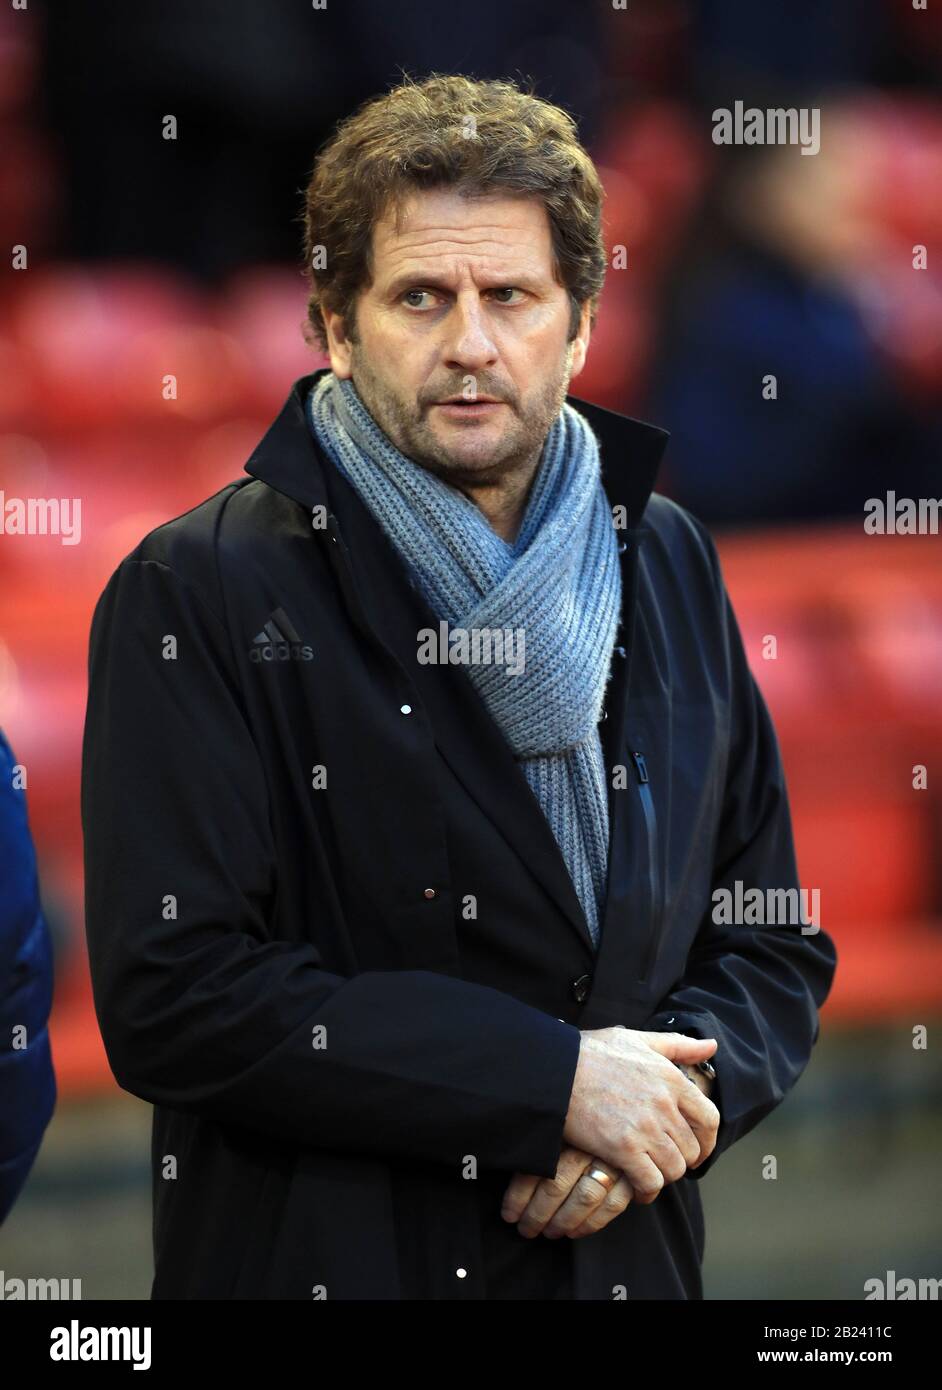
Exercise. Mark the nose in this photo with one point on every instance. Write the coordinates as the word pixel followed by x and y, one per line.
pixel 468 345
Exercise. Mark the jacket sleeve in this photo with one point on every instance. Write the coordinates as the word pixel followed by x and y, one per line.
pixel 757 989
pixel 27 1080
pixel 200 1008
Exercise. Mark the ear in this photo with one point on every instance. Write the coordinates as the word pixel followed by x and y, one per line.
pixel 339 348
pixel 579 347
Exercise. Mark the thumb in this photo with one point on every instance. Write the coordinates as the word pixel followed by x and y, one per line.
pixel 677 1047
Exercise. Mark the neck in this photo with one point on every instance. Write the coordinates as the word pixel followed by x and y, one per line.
pixel 503 503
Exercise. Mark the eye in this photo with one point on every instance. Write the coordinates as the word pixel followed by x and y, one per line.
pixel 412 298
pixel 409 293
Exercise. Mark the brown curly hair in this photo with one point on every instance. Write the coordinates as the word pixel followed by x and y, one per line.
pixel 477 137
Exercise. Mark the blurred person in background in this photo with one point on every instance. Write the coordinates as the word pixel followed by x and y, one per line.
pixel 794 334
pixel 337 894
pixel 27 1080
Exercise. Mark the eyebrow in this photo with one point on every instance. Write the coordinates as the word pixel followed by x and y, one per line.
pixel 409 280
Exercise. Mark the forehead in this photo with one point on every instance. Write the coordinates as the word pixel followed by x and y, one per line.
pixel 439 227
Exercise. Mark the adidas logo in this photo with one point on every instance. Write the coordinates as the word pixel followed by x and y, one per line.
pixel 278 641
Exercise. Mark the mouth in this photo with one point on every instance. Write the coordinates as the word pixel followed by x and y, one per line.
pixel 467 400
pixel 458 407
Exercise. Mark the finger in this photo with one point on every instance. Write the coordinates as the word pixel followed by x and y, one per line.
pixel 585 1198
pixel 617 1200
pixel 550 1193
pixel 668 1159
pixel 685 1139
pixel 543 1205
pixel 677 1047
pixel 519 1191
pixel 703 1118
pixel 645 1177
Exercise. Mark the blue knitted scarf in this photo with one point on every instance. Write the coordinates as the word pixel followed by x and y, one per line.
pixel 559 583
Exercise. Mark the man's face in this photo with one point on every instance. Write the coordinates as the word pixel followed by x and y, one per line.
pixel 463 304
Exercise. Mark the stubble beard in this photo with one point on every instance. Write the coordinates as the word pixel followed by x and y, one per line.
pixel 406 424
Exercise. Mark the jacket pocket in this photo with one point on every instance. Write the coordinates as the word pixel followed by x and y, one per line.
pixel 655 887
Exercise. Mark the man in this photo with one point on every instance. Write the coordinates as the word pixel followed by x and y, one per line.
pixel 412 764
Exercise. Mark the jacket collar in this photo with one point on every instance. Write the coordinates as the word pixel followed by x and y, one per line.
pixel 289 460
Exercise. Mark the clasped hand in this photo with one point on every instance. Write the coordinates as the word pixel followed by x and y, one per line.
pixel 573 1203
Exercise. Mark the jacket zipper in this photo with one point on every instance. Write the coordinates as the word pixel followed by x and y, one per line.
pixel 654 877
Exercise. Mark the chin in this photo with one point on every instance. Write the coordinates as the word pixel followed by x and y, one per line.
pixel 474 460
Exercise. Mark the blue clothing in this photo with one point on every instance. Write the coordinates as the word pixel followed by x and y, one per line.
pixel 27 1079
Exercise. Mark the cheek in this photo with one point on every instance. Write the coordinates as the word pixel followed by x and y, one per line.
pixel 388 338
pixel 542 348
pixel 543 368
pixel 395 369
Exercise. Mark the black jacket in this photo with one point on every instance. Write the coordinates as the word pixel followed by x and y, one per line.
pixel 332 937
